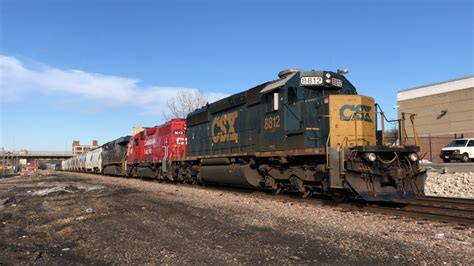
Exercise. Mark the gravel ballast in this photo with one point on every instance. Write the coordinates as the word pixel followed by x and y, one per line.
pixel 454 185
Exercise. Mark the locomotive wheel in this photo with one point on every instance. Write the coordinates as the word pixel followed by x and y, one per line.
pixel 306 193
pixel 277 190
pixel 338 197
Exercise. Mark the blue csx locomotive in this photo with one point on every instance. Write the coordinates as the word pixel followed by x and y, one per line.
pixel 308 131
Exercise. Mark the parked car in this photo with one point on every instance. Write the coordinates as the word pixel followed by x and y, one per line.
pixel 458 149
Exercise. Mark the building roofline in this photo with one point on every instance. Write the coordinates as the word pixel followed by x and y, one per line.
pixel 436 83
pixel 437 88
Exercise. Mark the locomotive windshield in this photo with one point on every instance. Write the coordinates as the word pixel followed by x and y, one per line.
pixel 317 92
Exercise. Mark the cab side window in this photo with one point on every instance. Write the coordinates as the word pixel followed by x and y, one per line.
pixel 470 143
pixel 271 103
pixel 268 103
pixel 292 95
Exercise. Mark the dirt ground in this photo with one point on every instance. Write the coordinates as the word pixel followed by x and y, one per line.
pixel 77 218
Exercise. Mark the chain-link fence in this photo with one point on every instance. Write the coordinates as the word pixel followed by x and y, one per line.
pixel 432 145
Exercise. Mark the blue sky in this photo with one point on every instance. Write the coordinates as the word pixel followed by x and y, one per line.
pixel 83 70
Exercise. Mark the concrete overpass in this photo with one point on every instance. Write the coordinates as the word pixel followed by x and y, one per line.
pixel 16 160
pixel 46 155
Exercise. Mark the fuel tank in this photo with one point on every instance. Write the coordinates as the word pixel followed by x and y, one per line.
pixel 231 174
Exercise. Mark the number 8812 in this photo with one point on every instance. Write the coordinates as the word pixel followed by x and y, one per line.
pixel 271 122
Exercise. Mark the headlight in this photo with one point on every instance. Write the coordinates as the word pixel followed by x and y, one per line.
pixel 328 75
pixel 328 80
pixel 370 156
pixel 413 157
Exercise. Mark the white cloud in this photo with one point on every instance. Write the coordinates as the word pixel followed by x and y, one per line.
pixel 16 80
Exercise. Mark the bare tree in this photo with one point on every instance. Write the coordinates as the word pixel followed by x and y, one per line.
pixel 184 102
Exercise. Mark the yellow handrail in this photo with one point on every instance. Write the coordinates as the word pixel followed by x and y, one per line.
pixel 327 148
pixel 415 132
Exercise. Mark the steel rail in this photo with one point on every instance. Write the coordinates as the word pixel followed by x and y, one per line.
pixel 457 202
pixel 450 216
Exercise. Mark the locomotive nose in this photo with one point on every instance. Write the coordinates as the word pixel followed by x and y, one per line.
pixel 397 174
pixel 392 177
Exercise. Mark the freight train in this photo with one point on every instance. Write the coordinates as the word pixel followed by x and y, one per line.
pixel 306 132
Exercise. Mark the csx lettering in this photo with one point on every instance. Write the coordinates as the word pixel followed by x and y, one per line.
pixel 355 112
pixel 223 128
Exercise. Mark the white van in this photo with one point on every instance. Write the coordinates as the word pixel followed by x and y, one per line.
pixel 458 149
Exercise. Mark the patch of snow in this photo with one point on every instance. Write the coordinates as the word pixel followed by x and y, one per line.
pixel 44 192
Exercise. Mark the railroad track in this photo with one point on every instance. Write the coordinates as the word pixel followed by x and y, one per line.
pixel 446 210
pixel 449 210
pixel 453 210
pixel 455 202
